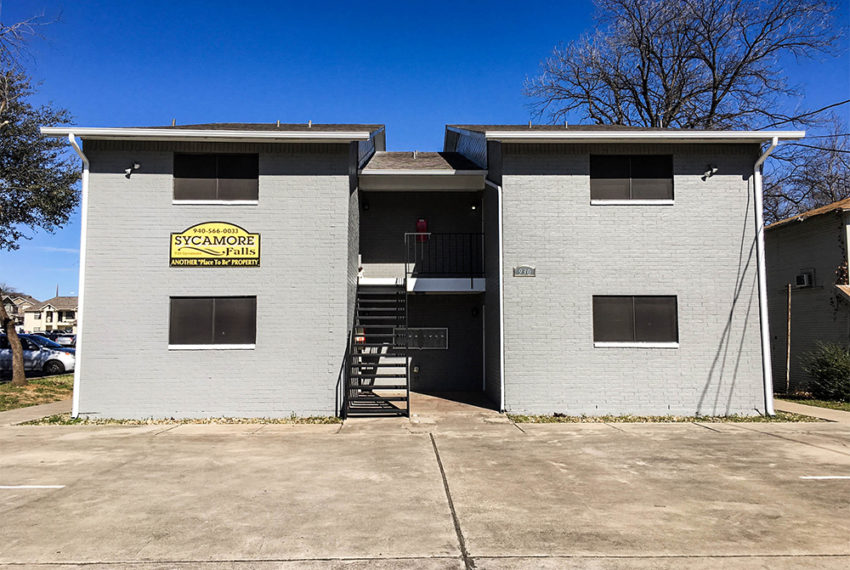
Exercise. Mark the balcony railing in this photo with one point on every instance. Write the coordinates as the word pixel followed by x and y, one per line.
pixel 444 255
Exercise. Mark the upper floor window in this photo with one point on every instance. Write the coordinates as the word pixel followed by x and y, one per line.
pixel 631 179
pixel 216 178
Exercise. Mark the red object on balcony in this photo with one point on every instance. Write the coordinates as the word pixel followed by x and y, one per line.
pixel 422 229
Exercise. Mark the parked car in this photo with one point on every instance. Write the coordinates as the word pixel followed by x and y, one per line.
pixel 47 343
pixel 37 358
pixel 66 339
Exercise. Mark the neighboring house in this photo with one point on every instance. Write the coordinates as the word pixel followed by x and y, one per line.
pixel 279 269
pixel 56 314
pixel 16 304
pixel 809 252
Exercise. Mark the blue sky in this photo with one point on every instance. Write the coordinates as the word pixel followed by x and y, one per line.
pixel 413 66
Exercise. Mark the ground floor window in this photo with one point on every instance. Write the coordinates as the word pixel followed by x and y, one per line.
pixel 634 319
pixel 213 322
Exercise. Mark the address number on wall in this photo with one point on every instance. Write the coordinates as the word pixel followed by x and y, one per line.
pixel 524 271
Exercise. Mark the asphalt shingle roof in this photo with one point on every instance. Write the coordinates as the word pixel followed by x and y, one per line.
pixel 838 206
pixel 556 128
pixel 58 303
pixel 421 161
pixel 283 127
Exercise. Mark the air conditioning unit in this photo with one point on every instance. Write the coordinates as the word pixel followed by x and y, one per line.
pixel 805 279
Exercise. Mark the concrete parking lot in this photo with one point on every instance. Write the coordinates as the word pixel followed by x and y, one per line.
pixel 448 491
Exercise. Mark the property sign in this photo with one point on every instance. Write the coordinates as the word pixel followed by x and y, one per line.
pixel 524 271
pixel 215 244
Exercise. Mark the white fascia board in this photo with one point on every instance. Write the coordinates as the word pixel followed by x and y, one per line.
pixel 113 133
pixel 446 285
pixel 673 136
pixel 422 172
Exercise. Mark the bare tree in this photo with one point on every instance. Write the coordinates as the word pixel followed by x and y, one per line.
pixel 809 174
pixel 702 64
pixel 13 40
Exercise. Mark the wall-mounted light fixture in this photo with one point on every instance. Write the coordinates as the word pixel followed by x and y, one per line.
pixel 133 166
pixel 710 170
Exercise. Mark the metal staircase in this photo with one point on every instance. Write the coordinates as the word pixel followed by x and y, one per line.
pixel 377 381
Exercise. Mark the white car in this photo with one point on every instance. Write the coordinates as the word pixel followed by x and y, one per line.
pixel 37 358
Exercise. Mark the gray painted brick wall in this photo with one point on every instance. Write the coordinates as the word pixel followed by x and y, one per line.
pixel 700 249
pixel 818 313
pixel 301 287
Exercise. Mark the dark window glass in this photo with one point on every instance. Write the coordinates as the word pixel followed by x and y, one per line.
pixel 235 320
pixel 238 177
pixel 652 177
pixel 216 176
pixel 213 320
pixel 635 319
pixel 609 177
pixel 191 320
pixel 613 319
pixel 638 177
pixel 194 177
pixel 655 319
pixel 4 343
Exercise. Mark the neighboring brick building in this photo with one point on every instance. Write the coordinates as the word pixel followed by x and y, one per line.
pixel 56 314
pixel 279 269
pixel 809 252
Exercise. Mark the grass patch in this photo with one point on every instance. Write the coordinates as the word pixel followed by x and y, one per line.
pixel 831 404
pixel 562 419
pixel 40 390
pixel 67 420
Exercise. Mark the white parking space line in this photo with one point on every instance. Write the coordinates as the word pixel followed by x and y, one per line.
pixel 823 477
pixel 32 486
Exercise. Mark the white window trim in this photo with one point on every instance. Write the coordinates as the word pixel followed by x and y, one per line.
pixel 212 346
pixel 215 202
pixel 664 202
pixel 635 345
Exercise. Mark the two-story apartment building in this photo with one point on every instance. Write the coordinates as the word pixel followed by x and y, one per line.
pixel 56 314
pixel 807 261
pixel 278 269
pixel 16 305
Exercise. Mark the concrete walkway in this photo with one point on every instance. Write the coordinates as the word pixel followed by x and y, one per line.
pixel 438 492
pixel 21 415
pixel 827 414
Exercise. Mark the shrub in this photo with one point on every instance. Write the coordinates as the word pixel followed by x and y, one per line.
pixel 829 369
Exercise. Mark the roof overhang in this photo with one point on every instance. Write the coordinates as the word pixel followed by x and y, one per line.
pixel 422 180
pixel 204 135
pixel 632 136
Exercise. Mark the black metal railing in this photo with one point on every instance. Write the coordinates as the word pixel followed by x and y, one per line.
pixel 444 255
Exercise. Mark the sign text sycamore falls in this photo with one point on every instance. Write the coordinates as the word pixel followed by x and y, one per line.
pixel 215 244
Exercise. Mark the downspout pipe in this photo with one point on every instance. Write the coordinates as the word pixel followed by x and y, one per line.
pixel 498 189
pixel 758 201
pixel 84 203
